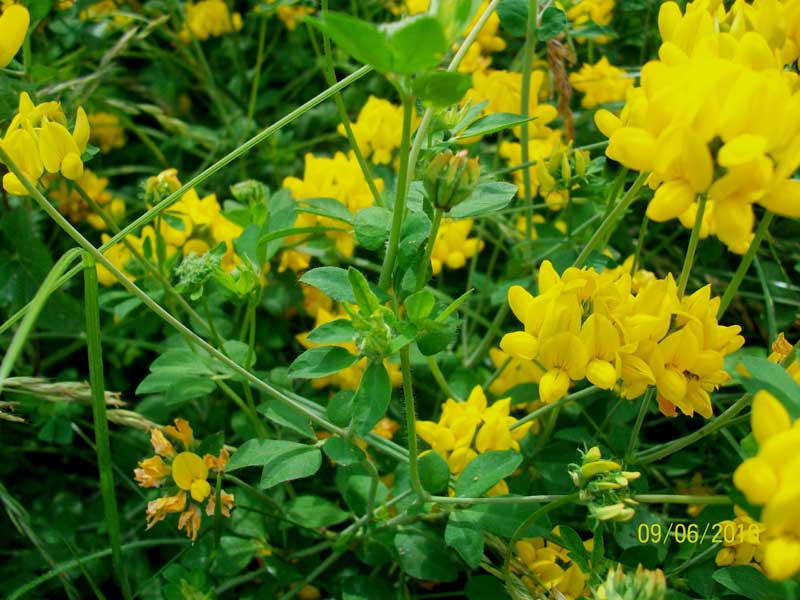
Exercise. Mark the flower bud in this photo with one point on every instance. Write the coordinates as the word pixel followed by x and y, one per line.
pixel 450 178
pixel 581 162
pixel 249 192
pixel 597 467
pixel 642 585
pixel 592 454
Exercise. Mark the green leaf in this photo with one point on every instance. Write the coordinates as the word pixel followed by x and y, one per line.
pixel 315 512
pixel 504 519
pixel 326 207
pixel 180 375
pixel 422 554
pixel 283 415
pixel 441 88
pixel 419 305
pixel 332 281
pixel 321 362
pixel 417 43
pixel 340 408
pixel 365 297
pixel 492 124
pixel 513 16
pixel 435 336
pixel 770 376
pixel 333 332
pixel 372 397
pixel 487 198
pixel 258 453
pixel 484 471
pixel 343 452
pixel 554 22
pixel 295 464
pixel 372 226
pixel 361 40
pixel 434 472
pixel 465 536
pixel 748 582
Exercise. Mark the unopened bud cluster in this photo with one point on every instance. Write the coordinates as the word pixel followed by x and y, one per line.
pixel 641 585
pixel 450 178
pixel 604 485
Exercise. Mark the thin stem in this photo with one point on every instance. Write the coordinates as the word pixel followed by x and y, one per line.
pixel 741 271
pixel 610 221
pixel 330 76
pixel 399 207
pixel 262 34
pixel 527 64
pixel 637 426
pixel 488 339
pixel 411 425
pixel 585 393
pixel 234 154
pixel 496 499
pixel 655 454
pixel 440 380
pixel 769 303
pixel 691 250
pixel 681 499
pixel 422 275
pixel 101 434
pixel 159 310
pixel 313 575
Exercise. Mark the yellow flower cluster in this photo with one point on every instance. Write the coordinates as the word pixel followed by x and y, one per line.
pixel 772 479
pixel 378 129
pixel 290 15
pixel 209 18
pixel 340 178
pixel 453 246
pixel 552 568
pixel 37 140
pixel 191 225
pixel 349 378
pixel 71 203
pixel 107 132
pixel 186 473
pixel 100 10
pixel 463 425
pixel 600 83
pixel 583 12
pixel 715 115
pixel 586 324
pixel 743 541
pixel 14 24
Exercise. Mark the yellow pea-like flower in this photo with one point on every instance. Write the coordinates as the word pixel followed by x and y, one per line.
pixel 14 24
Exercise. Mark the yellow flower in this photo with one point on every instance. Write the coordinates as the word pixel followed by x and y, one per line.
pixel 107 133
pixel 377 129
pixel 209 18
pixel 743 541
pixel 188 472
pixel 453 247
pixel 291 16
pixel 72 204
pixel 601 83
pixel 551 568
pixel 14 24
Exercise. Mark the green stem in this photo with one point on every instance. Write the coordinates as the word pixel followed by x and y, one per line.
pixel 496 499
pixel 747 259
pixel 422 275
pixel 262 35
pixel 411 425
pixel 399 207
pixel 101 433
pixel 313 575
pixel 637 426
pixel 655 454
pixel 330 76
pixel 691 250
pixel 543 410
pixel 610 221
pixel 769 303
pixel 440 380
pixel 49 285
pixel 682 499
pixel 488 339
pixel 527 64
pixel 234 154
